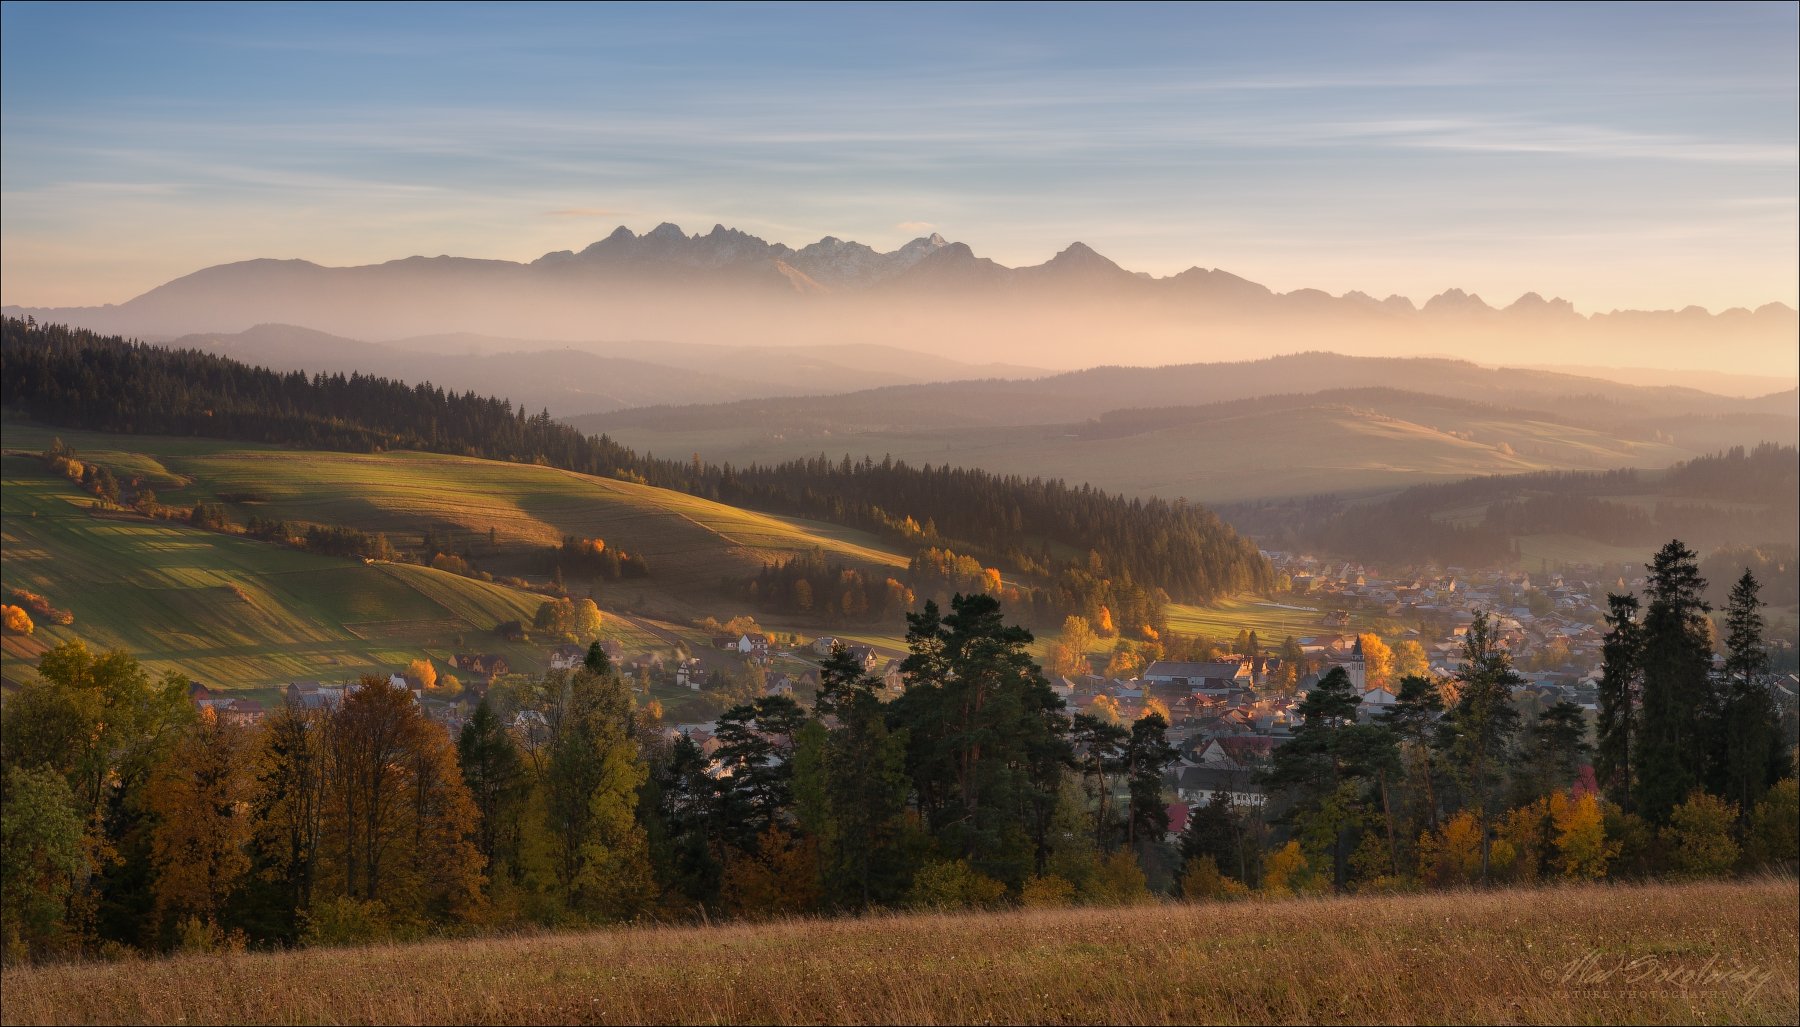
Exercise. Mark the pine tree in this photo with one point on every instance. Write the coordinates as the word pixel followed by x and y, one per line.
pixel 1147 757
pixel 986 736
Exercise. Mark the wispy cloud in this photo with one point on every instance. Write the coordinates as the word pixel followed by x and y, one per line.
pixel 585 212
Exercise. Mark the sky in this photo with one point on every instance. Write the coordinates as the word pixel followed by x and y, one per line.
pixel 1619 156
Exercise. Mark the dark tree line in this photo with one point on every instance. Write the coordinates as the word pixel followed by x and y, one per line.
pixel 77 378
pixel 1407 528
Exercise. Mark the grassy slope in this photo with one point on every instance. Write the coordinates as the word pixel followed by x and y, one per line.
pixel 1703 953
pixel 690 542
pixel 227 610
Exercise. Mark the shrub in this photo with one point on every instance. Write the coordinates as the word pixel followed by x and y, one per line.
pixel 346 921
pixel 1202 880
pixel 953 885
pixel 1774 836
pixel 1047 892
pixel 1699 835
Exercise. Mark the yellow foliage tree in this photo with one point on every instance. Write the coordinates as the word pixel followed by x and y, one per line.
pixel 1582 849
pixel 1411 660
pixel 1079 635
pixel 1067 661
pixel 953 885
pixel 587 620
pixel 1104 623
pixel 1158 707
pixel 1378 662
pixel 1451 856
pixel 1125 661
pixel 423 672
pixel 15 620
pixel 1287 873
pixel 1527 834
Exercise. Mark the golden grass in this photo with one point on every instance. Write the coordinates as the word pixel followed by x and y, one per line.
pixel 1697 953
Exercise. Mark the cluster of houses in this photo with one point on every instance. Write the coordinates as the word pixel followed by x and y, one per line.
pixel 1553 625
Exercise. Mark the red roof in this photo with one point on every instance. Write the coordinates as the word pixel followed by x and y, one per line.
pixel 1178 817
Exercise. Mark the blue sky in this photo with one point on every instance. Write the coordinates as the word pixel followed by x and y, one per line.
pixel 1618 156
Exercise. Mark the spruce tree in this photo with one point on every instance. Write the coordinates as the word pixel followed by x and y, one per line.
pixel 1751 760
pixel 1621 663
pixel 1678 694
pixel 1480 728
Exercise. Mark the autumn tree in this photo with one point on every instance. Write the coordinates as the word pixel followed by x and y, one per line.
pixel 200 844
pixel 423 672
pixel 15 620
pixel 398 823
pixel 1411 660
pixel 1378 661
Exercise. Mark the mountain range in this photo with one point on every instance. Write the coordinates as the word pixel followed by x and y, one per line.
pixel 729 287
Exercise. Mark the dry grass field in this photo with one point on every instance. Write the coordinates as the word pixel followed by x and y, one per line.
pixel 1699 953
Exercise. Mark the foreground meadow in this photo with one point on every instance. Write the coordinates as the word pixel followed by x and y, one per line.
pixel 1698 953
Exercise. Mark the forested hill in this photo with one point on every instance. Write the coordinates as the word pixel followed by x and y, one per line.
pixel 75 378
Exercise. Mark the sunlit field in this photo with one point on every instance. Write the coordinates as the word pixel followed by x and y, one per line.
pixel 1701 953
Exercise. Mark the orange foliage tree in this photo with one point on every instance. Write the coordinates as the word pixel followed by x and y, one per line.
pixel 200 795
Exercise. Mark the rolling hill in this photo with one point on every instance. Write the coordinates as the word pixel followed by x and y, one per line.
pixel 1342 423
pixel 568 380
